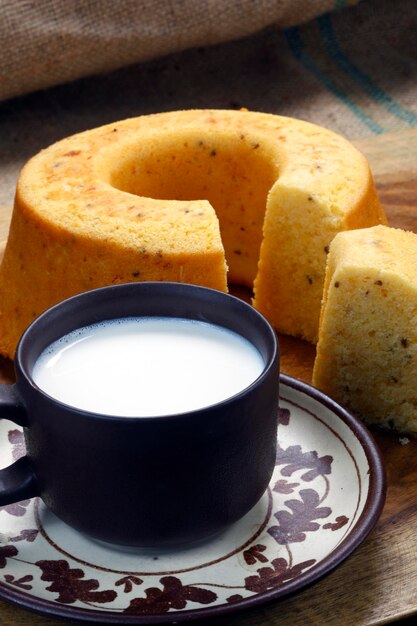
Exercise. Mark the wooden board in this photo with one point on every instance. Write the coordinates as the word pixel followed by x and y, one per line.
pixel 378 583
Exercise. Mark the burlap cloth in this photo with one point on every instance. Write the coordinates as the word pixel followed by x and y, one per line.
pixel 51 42
pixel 351 68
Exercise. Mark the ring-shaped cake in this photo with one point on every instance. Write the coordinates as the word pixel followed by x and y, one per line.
pixel 170 197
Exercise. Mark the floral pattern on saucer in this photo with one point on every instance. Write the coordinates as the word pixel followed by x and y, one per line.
pixel 317 498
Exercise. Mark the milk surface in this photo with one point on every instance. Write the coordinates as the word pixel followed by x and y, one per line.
pixel 147 366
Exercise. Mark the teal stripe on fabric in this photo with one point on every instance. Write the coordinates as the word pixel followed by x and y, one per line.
pixel 296 46
pixel 339 4
pixel 353 71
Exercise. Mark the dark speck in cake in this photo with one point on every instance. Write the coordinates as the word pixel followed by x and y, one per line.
pixel 72 153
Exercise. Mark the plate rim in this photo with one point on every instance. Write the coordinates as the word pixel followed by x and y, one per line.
pixel 371 511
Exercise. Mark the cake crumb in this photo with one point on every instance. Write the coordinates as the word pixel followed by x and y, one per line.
pixel 404 440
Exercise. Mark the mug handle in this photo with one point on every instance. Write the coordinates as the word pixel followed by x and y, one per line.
pixel 18 481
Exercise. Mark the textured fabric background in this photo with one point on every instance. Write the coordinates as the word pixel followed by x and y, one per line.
pixel 50 42
pixel 353 70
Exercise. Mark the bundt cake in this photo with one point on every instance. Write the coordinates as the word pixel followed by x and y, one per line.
pixel 142 199
pixel 367 349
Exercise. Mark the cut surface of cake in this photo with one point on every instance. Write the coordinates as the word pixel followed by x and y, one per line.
pixel 173 197
pixel 367 349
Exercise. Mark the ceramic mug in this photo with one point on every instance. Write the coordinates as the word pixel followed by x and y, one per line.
pixel 144 481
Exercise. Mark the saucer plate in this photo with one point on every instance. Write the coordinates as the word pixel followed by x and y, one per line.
pixel 325 496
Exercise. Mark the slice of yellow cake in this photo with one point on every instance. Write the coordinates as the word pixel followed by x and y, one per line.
pixel 171 197
pixel 367 349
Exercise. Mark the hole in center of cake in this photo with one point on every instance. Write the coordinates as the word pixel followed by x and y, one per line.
pixel 234 173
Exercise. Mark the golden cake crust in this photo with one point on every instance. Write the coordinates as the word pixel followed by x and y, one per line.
pixel 142 199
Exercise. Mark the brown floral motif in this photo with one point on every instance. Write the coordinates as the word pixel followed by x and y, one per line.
pixel 68 584
pixel 6 552
pixel 254 553
pixel 17 440
pixel 275 576
pixel 18 509
pixel 173 595
pixel 234 598
pixel 341 520
pixel 284 417
pixel 293 526
pixel 128 582
pixel 20 582
pixel 27 534
pixel 283 486
pixel 293 459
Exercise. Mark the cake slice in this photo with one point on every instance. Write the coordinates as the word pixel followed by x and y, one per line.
pixel 367 349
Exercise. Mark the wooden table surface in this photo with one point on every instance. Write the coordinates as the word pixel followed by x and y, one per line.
pixel 378 583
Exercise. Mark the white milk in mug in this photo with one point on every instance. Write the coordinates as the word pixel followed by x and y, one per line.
pixel 147 366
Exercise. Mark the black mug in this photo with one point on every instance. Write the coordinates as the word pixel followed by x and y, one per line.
pixel 145 481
